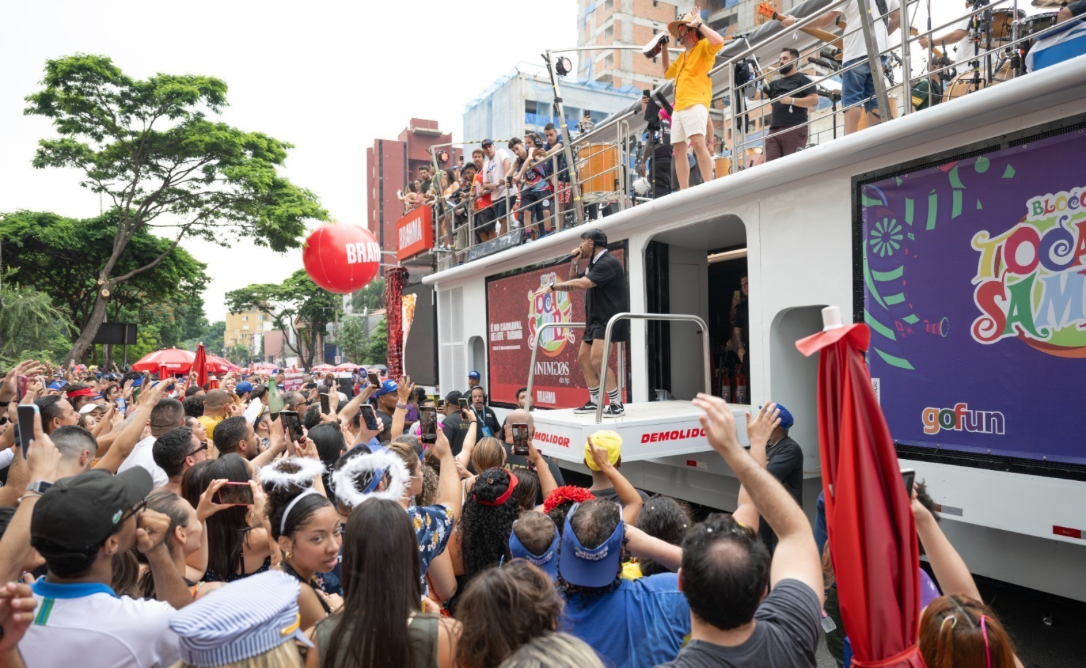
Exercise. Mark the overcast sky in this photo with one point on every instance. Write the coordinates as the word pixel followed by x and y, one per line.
pixel 329 77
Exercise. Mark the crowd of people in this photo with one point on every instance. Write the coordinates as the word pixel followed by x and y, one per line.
pixel 160 522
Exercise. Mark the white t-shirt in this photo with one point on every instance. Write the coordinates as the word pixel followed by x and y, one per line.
pixel 87 624
pixel 142 455
pixel 494 172
pixel 854 41
pixel 964 49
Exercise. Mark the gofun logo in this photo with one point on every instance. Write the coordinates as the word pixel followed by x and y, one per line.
pixel 960 418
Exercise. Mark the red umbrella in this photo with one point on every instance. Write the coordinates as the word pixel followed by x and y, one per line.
pixel 347 366
pixel 872 536
pixel 322 368
pixel 199 365
pixel 216 364
pixel 171 360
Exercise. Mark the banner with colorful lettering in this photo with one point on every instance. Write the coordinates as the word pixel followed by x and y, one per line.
pixel 974 279
pixel 515 314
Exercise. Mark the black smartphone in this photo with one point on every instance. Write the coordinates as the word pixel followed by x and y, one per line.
pixel 369 417
pixel 291 424
pixel 441 404
pixel 26 414
pixel 428 424
pixel 909 476
pixel 372 377
pixel 520 439
pixel 463 408
pixel 325 406
pixel 235 494
pixel 647 92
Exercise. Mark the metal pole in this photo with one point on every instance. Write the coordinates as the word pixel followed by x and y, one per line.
pixel 927 65
pixel 567 138
pixel 874 59
pixel 559 212
pixel 535 351
pixel 906 74
pixel 733 99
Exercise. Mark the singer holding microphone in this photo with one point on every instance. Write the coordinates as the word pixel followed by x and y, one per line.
pixel 604 283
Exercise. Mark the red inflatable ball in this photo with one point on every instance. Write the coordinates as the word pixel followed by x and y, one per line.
pixel 341 258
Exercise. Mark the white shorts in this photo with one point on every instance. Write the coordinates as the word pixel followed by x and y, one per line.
pixel 689 122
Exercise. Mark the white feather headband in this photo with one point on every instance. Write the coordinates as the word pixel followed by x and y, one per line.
pixel 274 475
pixel 344 480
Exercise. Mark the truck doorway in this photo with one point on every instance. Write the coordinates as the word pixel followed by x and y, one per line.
pixel 698 269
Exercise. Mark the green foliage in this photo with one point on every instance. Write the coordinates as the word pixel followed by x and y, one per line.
pixel 210 335
pixel 31 327
pixel 239 354
pixel 296 305
pixel 147 341
pixel 378 349
pixel 352 339
pixel 371 297
pixel 148 147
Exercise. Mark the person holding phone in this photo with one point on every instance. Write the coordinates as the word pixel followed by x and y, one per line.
pixel 771 447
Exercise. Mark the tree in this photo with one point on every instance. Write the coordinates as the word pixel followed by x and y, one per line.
pixel 378 350
pixel 149 148
pixel 371 297
pixel 31 326
pixel 353 340
pixel 239 354
pixel 296 305
pixel 63 257
pixel 210 335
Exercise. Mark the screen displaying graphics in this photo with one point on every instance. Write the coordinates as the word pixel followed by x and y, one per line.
pixel 515 315
pixel 974 278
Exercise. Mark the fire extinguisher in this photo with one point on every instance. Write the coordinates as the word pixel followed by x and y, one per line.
pixel 726 386
pixel 740 387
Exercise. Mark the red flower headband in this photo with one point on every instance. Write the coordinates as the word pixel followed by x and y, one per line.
pixel 567 493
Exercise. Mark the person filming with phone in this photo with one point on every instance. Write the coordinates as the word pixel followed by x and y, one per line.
pixel 604 283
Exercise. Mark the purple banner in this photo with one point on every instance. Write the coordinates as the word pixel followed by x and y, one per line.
pixel 975 291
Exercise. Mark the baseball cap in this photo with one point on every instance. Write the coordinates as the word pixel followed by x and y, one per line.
pixel 90 407
pixel 595 235
pixel 786 417
pixel 386 387
pixel 78 513
pixel 609 441
pixel 596 567
pixel 474 375
pixel 453 397
pixel 487 142
pixel 243 387
pixel 246 618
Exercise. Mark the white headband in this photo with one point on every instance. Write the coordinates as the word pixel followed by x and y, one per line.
pixel 347 492
pixel 290 507
pixel 272 474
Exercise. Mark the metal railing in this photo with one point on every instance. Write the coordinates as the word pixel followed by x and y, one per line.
pixel 668 317
pixel 535 353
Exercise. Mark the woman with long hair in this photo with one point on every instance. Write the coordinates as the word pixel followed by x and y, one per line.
pixel 380 624
pixel 307 529
pixel 184 537
pixel 481 540
pixel 331 445
pixel 521 596
pixel 238 542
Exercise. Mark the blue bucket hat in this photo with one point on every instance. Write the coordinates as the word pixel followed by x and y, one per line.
pixel 547 562
pixel 386 387
pixel 244 619
pixel 786 417
pixel 596 567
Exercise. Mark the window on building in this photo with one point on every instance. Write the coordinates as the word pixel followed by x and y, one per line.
pixel 609 32
pixel 655 3
pixel 609 61
pixel 245 326
pixel 244 318
pixel 608 4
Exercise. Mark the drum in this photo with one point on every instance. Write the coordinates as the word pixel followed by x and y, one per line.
pixel 893 114
pixel 1003 24
pixel 963 84
pixel 1034 24
pixel 598 163
pixel 723 167
pixel 754 156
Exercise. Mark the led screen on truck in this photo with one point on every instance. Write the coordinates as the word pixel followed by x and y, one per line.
pixel 514 315
pixel 974 283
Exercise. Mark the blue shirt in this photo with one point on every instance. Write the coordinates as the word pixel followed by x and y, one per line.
pixel 642 623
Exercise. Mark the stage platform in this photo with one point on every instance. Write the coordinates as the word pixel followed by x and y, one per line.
pixel 648 430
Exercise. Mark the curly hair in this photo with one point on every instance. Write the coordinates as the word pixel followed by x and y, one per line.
pixel 593 525
pixel 518 594
pixel 485 529
pixel 428 495
pixel 667 519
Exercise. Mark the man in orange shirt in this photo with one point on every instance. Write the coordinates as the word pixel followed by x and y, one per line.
pixel 693 91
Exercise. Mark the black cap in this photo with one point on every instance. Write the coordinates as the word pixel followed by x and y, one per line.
pixel 595 235
pixel 80 512
pixel 453 397
pixel 487 142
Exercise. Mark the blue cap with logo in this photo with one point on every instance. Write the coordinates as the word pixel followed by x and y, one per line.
pixel 386 387
pixel 243 387
pixel 584 567
pixel 474 375
pixel 246 618
pixel 546 562
pixel 786 417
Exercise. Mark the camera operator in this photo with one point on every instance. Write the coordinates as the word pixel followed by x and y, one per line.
pixel 659 135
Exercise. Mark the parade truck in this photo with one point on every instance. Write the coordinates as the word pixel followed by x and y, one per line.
pixel 957 234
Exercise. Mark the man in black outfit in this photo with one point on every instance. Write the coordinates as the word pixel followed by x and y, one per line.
pixel 784 459
pixel 455 425
pixel 791 110
pixel 484 414
pixel 606 295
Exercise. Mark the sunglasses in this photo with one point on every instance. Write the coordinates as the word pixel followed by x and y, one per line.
pixel 134 510
pixel 203 446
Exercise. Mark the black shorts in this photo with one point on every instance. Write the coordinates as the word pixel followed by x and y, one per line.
pixel 596 331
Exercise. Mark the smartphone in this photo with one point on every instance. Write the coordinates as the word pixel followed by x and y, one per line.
pixel 647 92
pixel 26 414
pixel 235 494
pixel 909 476
pixel 372 377
pixel 520 439
pixel 428 424
pixel 441 404
pixel 369 417
pixel 291 424
pixel 463 408
pixel 325 406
